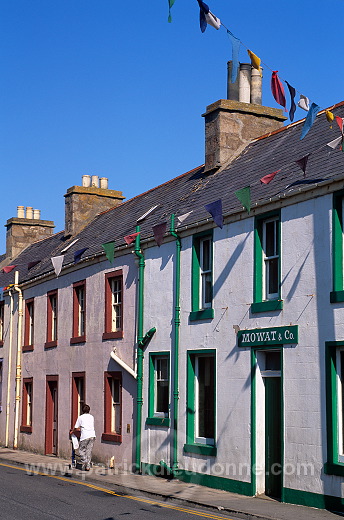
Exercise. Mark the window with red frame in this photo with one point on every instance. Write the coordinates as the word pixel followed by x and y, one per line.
pixel 2 314
pixel 78 395
pixel 113 305
pixel 79 312
pixel 26 423
pixel 52 313
pixel 112 407
pixel 29 325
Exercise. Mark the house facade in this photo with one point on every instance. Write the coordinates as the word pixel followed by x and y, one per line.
pixel 213 353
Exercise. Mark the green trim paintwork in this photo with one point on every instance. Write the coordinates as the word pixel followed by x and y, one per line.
pixel 253 422
pixel 151 419
pixel 139 398
pixel 176 346
pixel 336 296
pixel 258 266
pixel 196 312
pixel 306 498
pixel 158 421
pixel 268 337
pixel 337 244
pixel 190 397
pixel 201 449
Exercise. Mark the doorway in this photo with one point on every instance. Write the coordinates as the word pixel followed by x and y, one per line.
pixel 51 416
pixel 269 423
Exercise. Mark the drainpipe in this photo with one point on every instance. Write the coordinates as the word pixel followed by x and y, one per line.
pixel 18 366
pixel 9 371
pixel 176 350
pixel 139 398
pixel 121 363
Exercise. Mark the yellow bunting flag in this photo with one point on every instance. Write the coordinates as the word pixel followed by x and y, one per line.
pixel 255 61
pixel 329 116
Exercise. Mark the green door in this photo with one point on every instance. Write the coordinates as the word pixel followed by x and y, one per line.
pixel 273 449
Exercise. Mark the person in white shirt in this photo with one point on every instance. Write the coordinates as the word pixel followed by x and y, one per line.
pixel 87 436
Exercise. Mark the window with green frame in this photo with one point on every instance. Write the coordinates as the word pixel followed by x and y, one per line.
pixel 202 277
pixel 337 294
pixel 159 389
pixel 335 407
pixel 201 402
pixel 267 263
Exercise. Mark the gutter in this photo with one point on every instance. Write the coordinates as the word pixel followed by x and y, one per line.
pixel 123 364
pixel 9 372
pixel 19 352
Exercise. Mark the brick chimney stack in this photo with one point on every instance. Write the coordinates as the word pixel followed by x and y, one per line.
pixel 25 229
pixel 83 203
pixel 230 124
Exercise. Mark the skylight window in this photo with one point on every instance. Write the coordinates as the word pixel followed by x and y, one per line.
pixel 69 245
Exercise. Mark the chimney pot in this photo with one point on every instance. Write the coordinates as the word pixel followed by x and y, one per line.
pixel 245 82
pixel 29 212
pixel 95 181
pixel 104 183
pixel 20 212
pixel 37 214
pixel 256 87
pixel 86 181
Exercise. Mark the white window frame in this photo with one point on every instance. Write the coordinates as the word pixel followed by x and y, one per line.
pixel 340 403
pixel 205 273
pixel 115 407
pixel 116 303
pixel 198 439
pixel 267 259
pixel 80 294
pixel 156 360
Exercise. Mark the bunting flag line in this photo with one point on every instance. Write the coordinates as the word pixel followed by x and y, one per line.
pixel 235 56
pixel 292 93
pixel 129 239
pixel 30 265
pixel 278 89
pixel 8 268
pixel 78 254
pixel 170 4
pixel 57 262
pixel 159 231
pixel 183 217
pixel 269 177
pixel 304 181
pixel 215 210
pixel 303 102
pixel 255 61
pixel 333 144
pixel 303 163
pixel 244 196
pixel 109 248
pixel 312 113
pixel 207 17
pixel 329 116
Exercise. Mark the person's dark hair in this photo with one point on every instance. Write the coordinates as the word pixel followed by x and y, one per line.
pixel 85 408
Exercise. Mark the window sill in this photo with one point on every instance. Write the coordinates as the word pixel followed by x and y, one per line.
pixel 111 437
pixel 26 429
pixel 332 468
pixel 337 296
pixel 50 344
pixel 201 449
pixel 113 335
pixel 77 339
pixel 204 314
pixel 27 348
pixel 158 421
pixel 268 305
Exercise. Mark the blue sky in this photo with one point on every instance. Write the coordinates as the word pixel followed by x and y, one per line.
pixel 110 88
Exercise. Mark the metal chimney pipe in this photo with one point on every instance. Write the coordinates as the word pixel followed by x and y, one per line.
pixel 232 88
pixel 29 212
pixel 20 212
pixel 86 181
pixel 104 183
pixel 245 83
pixel 37 214
pixel 256 87
pixel 95 181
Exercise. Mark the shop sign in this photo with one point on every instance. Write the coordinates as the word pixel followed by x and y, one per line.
pixel 268 337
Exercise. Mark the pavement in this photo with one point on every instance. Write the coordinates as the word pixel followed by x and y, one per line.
pixel 250 508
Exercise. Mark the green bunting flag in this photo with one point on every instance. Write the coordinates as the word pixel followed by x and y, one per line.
pixel 170 4
pixel 244 196
pixel 109 248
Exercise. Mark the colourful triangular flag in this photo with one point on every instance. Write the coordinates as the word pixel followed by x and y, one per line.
pixel 340 123
pixel 333 144
pixel 303 163
pixel 207 17
pixel 303 102
pixel 129 239
pixel 170 4
pixel 329 116
pixel 244 196
pixel 312 112
pixel 30 265
pixel 183 217
pixel 159 231
pixel 235 56
pixel 277 89
pixel 292 93
pixel 57 262
pixel 269 177
pixel 215 210
pixel 255 61
pixel 109 248
pixel 8 268
pixel 78 254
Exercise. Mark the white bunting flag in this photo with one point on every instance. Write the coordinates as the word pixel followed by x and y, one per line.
pixel 57 262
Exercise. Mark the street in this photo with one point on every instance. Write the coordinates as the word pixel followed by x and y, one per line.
pixel 38 497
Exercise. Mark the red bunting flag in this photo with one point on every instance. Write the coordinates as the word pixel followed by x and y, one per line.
pixel 340 123
pixel 129 239
pixel 159 231
pixel 268 178
pixel 8 268
pixel 277 89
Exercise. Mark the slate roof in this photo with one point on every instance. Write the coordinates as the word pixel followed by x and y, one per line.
pixel 192 190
